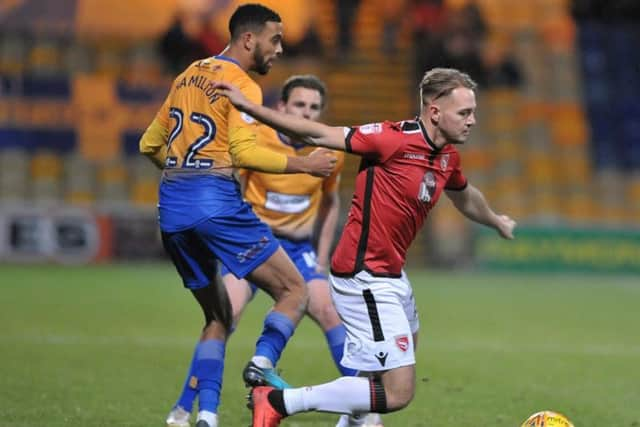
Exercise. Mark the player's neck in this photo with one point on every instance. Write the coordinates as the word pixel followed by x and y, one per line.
pixel 436 138
pixel 234 53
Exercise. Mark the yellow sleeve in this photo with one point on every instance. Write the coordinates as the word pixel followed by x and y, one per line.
pixel 330 184
pixel 153 143
pixel 243 139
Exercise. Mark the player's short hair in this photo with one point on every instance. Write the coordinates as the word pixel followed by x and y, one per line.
pixel 308 81
pixel 251 17
pixel 439 82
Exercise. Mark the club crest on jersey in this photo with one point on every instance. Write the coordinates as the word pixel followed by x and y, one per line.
pixel 427 187
pixel 444 162
pixel 247 118
pixel 371 128
pixel 402 341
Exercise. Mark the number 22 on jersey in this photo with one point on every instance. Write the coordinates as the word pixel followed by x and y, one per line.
pixel 209 132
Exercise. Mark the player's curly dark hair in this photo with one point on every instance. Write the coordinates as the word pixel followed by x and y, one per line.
pixel 308 81
pixel 439 82
pixel 251 17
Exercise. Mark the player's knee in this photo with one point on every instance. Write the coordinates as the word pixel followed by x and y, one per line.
pixel 324 313
pixel 301 294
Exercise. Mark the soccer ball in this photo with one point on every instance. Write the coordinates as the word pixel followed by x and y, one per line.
pixel 547 419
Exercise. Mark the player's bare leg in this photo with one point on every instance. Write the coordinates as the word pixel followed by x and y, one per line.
pixel 240 294
pixel 278 277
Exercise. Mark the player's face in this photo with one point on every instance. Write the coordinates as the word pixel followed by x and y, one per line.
pixel 268 47
pixel 303 102
pixel 457 115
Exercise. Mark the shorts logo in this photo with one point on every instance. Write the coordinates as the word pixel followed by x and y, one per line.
pixel 402 342
pixel 382 357
pixel 253 250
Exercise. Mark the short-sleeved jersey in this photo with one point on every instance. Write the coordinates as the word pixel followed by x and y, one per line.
pixel 289 204
pixel 401 177
pixel 197 181
pixel 199 122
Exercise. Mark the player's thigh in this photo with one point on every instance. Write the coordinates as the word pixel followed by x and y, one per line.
pixel 278 276
pixel 321 308
pixel 239 292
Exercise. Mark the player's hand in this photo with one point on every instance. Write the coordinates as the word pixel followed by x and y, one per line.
pixel 505 226
pixel 321 162
pixel 322 268
pixel 234 95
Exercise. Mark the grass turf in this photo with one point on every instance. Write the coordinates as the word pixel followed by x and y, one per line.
pixel 109 346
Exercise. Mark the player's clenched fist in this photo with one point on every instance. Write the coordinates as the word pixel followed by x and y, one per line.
pixel 321 162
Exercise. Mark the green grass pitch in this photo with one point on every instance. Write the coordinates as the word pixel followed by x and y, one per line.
pixel 109 346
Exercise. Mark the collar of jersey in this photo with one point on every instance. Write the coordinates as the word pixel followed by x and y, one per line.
pixel 426 136
pixel 226 58
pixel 294 145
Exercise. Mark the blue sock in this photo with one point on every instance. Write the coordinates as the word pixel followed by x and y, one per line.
pixel 209 366
pixel 189 393
pixel 278 328
pixel 335 339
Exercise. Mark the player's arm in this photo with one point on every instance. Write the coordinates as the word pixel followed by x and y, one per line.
pixel 303 130
pixel 328 221
pixel 472 203
pixel 247 153
pixel 153 143
pixel 328 215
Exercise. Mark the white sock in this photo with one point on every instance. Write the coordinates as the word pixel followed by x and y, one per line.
pixel 262 362
pixel 346 395
pixel 209 417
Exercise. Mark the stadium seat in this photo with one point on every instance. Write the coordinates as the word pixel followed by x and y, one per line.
pixel 112 183
pixel 46 176
pixel 144 178
pixel 14 175
pixel 80 180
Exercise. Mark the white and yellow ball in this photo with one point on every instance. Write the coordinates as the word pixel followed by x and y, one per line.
pixel 547 419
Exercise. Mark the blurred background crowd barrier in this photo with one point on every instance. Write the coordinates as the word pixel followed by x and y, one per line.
pixel 557 145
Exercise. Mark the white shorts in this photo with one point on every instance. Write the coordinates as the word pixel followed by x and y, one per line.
pixel 380 316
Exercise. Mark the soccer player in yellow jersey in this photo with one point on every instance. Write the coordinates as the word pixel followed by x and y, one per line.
pixel 294 208
pixel 198 139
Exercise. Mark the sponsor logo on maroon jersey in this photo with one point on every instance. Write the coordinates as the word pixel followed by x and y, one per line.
pixel 402 342
pixel 415 156
pixel 371 128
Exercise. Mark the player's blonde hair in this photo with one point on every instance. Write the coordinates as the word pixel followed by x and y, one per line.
pixel 439 82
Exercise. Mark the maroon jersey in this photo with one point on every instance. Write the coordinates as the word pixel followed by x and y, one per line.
pixel 401 177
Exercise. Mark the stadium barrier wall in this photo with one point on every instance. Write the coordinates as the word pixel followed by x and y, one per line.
pixel 559 249
pixel 70 235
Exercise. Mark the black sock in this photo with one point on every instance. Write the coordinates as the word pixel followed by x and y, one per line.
pixel 276 399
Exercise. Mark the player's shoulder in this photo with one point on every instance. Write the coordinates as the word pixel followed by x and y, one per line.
pixel 268 135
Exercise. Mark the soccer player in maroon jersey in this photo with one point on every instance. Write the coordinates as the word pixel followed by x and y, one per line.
pixel 405 168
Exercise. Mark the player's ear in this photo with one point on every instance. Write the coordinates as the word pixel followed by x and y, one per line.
pixel 280 106
pixel 248 40
pixel 434 111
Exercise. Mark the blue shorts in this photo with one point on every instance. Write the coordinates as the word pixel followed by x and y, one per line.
pixel 238 239
pixel 301 253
